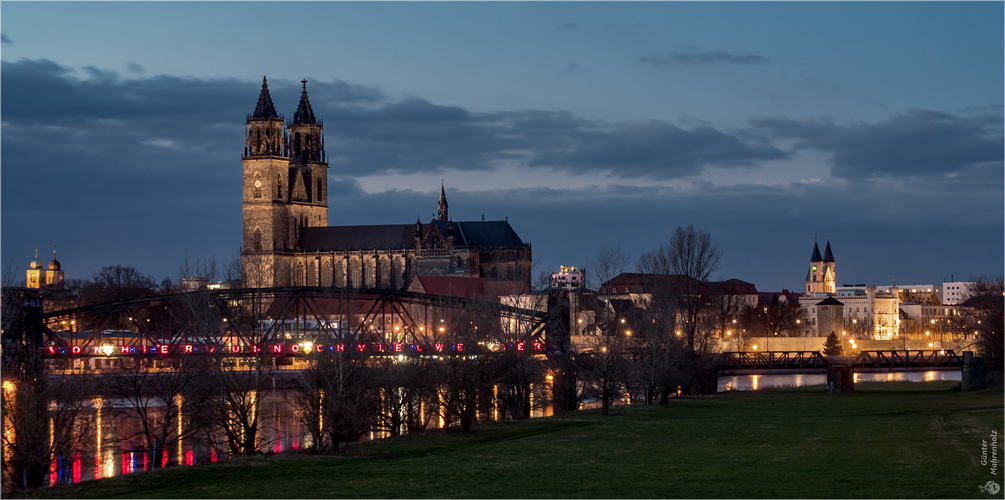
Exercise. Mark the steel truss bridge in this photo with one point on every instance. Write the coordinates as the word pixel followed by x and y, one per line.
pixel 244 321
pixel 781 362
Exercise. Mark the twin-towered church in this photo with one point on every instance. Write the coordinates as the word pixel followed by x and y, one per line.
pixel 288 242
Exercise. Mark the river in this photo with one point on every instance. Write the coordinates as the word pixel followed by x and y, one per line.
pixel 755 382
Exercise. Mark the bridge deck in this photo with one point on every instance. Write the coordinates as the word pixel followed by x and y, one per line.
pixel 779 362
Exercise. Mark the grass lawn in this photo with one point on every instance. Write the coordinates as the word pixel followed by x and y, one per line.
pixel 888 440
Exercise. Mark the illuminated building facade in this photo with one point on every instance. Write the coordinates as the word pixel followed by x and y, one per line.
pixel 287 240
pixel 820 276
pixel 41 276
pixel 866 311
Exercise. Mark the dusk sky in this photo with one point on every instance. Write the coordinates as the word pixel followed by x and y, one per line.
pixel 879 125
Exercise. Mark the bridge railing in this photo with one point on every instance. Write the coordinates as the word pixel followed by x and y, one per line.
pixel 894 359
pixel 771 359
pixel 815 359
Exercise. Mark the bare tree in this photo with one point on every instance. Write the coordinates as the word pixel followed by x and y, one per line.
pixel 335 399
pixel 676 275
pixel 608 263
pixel 161 402
pixel 677 272
pixel 47 419
pixel 781 316
pixel 983 314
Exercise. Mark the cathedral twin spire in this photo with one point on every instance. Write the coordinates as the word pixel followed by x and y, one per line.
pixel 304 141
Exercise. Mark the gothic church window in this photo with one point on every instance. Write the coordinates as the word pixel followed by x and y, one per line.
pixel 258 185
pixel 385 273
pixel 396 266
pixel 298 275
pixel 354 274
pixel 312 277
pixel 326 273
pixel 317 195
pixel 368 273
pixel 339 274
pixel 279 186
pixel 257 243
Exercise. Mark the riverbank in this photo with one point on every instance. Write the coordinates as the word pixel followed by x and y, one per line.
pixel 890 439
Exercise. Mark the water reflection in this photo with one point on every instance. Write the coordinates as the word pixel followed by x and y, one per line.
pixel 755 382
pixel 116 446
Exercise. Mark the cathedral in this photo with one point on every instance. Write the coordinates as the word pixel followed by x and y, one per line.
pixel 288 242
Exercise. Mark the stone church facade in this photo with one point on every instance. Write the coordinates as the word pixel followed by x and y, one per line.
pixel 287 240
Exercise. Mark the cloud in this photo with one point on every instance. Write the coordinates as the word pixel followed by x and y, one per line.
pixel 4 38
pixel 568 27
pixel 134 68
pixel 915 143
pixel 160 155
pixel 707 57
pixel 657 149
pixel 572 68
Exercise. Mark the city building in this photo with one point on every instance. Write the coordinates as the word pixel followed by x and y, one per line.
pixel 567 277
pixel 820 278
pixel 41 276
pixel 865 311
pixel 287 240
pixel 954 292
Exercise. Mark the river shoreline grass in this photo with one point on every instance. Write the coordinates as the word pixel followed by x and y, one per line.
pixel 888 440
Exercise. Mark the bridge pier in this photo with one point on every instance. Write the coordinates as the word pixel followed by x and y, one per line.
pixel 840 378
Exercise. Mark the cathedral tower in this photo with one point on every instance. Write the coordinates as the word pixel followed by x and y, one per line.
pixel 308 169
pixel 821 277
pixel 266 193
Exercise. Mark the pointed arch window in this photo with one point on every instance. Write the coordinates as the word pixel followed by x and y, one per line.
pixel 385 273
pixel 354 274
pixel 312 277
pixel 258 185
pixel 368 273
pixel 318 195
pixel 298 275
pixel 326 273
pixel 257 241
pixel 339 273
pixel 279 186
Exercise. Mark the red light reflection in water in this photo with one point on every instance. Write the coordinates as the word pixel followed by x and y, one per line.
pixel 76 467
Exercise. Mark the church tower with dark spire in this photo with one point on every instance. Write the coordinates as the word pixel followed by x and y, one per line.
pixel 441 206
pixel 820 277
pixel 308 168
pixel 266 191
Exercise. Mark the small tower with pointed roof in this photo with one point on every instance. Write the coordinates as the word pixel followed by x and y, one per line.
pixel 441 206
pixel 820 277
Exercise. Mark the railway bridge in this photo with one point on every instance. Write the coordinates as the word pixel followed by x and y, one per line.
pixel 839 369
